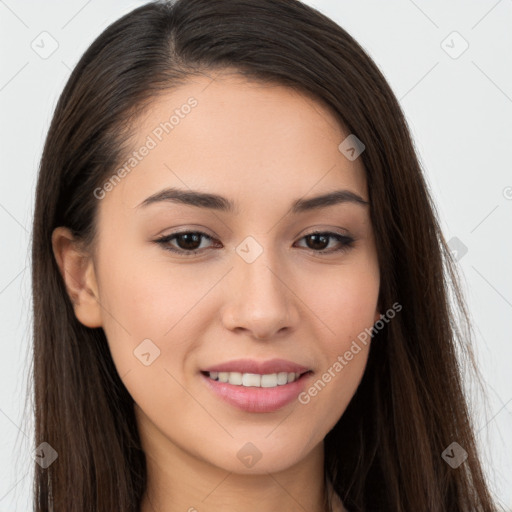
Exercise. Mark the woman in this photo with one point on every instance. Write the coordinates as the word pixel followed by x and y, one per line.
pixel 240 283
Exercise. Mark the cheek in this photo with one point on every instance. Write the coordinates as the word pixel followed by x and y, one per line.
pixel 144 294
pixel 346 302
pixel 327 396
pixel 151 306
pixel 147 308
pixel 345 349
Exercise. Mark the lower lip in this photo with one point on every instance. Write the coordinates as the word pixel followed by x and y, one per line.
pixel 253 399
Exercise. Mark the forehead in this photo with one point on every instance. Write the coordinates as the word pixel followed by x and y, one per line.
pixel 242 139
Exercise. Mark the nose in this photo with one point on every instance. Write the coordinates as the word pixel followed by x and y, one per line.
pixel 260 298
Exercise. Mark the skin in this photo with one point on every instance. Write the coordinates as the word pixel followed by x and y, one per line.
pixel 262 146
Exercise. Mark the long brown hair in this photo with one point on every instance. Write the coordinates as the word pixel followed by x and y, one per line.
pixel 385 452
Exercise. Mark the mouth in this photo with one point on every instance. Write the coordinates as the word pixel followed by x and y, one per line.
pixel 253 385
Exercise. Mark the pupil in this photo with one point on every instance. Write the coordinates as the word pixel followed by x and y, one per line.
pixel 190 238
pixel 316 238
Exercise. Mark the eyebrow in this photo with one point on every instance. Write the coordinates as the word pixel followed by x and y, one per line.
pixel 222 204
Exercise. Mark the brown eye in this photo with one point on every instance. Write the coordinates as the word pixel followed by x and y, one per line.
pixel 319 241
pixel 187 242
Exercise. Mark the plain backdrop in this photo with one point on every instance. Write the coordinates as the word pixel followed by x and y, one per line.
pixel 449 64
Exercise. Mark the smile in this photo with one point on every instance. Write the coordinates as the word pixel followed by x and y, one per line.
pixel 256 393
pixel 268 380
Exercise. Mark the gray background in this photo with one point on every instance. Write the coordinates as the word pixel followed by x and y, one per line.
pixel 459 108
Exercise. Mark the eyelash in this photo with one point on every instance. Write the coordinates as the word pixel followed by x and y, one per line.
pixel 346 242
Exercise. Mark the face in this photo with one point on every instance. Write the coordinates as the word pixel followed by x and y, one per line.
pixel 187 286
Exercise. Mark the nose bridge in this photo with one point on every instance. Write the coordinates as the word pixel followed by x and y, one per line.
pixel 258 268
pixel 260 300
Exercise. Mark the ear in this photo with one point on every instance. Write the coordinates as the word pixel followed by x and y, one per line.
pixel 377 316
pixel 77 270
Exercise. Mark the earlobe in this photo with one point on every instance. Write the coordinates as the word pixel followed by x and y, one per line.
pixel 77 270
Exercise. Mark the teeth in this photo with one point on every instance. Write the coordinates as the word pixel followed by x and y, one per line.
pixel 235 378
pixel 282 378
pixel 251 379
pixel 269 380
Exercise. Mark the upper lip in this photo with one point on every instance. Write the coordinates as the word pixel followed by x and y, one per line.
pixel 261 367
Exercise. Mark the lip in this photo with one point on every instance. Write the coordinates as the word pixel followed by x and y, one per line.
pixel 255 399
pixel 261 367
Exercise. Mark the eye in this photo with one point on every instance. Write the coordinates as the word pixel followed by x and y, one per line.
pixel 320 240
pixel 189 242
